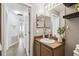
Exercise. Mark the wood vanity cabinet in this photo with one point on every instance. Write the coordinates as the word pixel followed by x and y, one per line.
pixel 45 51
pixel 41 49
pixel 36 48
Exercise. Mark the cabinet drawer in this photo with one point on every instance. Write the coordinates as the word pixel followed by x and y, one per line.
pixel 59 51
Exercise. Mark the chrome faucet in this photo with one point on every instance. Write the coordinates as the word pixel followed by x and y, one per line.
pixel 44 29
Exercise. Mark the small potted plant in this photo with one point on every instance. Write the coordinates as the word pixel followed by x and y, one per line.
pixel 77 6
pixel 61 31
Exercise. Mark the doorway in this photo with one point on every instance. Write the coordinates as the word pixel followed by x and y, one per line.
pixel 16 20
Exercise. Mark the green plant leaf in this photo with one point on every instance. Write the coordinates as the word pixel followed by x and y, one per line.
pixel 61 30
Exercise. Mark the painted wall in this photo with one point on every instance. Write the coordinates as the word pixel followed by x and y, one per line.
pixel 72 32
pixel 38 11
pixel 72 35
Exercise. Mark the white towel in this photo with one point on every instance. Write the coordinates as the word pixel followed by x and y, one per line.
pixel 77 45
pixel 76 53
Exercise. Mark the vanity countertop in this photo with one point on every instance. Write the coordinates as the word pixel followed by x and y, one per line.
pixel 50 45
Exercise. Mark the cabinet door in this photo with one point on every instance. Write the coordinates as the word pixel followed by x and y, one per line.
pixel 60 51
pixel 36 48
pixel 45 51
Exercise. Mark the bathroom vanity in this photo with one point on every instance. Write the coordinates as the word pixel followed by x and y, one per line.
pixel 48 49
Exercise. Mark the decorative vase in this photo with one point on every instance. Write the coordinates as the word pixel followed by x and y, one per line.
pixel 60 38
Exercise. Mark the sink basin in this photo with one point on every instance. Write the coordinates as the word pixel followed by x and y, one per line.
pixel 47 40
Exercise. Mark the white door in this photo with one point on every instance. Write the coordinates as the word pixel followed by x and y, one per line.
pixel 25 31
pixel 27 40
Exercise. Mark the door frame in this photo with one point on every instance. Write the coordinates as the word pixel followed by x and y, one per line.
pixel 3 20
pixel 2 29
pixel 29 7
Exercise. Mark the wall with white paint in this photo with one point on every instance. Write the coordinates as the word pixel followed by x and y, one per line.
pixel 72 32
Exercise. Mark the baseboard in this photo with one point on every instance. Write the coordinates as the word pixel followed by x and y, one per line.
pixel 13 44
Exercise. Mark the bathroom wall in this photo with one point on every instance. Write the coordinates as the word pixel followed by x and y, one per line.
pixel 72 32
pixel 39 10
pixel 72 35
